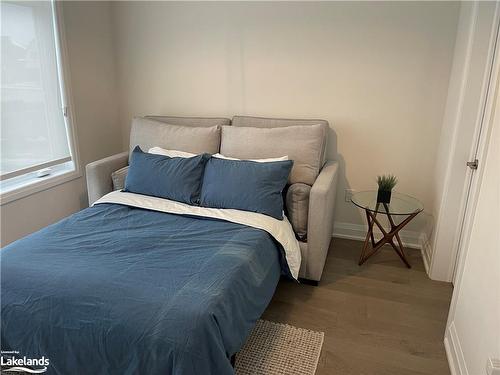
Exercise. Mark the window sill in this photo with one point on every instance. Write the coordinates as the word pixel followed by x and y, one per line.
pixel 28 185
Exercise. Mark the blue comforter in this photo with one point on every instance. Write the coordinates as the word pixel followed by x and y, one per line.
pixel 121 290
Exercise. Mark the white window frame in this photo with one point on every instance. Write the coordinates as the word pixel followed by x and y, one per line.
pixel 29 184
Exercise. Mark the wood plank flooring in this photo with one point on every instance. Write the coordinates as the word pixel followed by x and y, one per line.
pixel 379 319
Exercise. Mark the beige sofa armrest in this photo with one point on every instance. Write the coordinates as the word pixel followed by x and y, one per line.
pixel 99 172
pixel 320 220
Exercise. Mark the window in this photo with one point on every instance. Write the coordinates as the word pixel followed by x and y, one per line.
pixel 34 130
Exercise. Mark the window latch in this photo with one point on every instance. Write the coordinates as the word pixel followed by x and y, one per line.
pixel 65 111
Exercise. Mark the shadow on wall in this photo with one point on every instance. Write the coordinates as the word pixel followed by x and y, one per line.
pixel 342 182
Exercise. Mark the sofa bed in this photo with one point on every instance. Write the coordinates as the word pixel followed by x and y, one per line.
pixel 170 278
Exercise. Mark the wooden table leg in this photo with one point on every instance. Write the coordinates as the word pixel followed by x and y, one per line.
pixel 369 234
pixel 396 228
pixel 387 236
pixel 376 246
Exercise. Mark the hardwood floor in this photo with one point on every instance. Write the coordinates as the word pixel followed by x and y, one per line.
pixel 379 319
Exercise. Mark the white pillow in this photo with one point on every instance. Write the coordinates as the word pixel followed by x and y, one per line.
pixel 269 160
pixel 170 153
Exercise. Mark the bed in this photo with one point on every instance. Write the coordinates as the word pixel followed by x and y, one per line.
pixel 141 284
pixel 120 289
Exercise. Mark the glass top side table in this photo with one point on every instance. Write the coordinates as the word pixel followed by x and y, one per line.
pixel 401 205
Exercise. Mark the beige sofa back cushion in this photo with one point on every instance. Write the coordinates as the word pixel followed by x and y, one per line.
pixel 149 133
pixel 192 121
pixel 270 122
pixel 305 145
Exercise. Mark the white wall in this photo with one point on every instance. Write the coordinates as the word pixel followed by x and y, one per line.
pixel 378 72
pixel 93 83
pixel 473 331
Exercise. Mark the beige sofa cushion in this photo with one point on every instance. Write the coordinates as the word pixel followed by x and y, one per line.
pixel 270 122
pixel 304 145
pixel 297 205
pixel 149 133
pixel 118 178
pixel 273 122
pixel 192 121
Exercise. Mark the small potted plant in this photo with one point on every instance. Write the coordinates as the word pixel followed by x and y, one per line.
pixel 385 185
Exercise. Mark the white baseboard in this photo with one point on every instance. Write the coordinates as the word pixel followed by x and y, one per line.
pixel 351 231
pixel 454 352
pixel 426 250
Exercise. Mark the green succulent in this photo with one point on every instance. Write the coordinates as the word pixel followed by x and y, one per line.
pixel 386 182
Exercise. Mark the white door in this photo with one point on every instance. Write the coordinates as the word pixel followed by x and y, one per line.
pixel 477 150
pixel 462 131
pixel 473 331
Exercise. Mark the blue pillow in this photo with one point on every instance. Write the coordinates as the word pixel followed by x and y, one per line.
pixel 178 179
pixel 245 185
